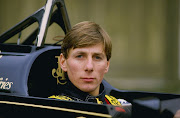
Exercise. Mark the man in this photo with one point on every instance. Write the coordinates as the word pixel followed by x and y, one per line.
pixel 85 58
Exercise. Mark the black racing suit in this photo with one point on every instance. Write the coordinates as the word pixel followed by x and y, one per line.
pixel 72 93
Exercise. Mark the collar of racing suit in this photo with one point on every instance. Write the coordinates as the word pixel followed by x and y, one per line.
pixel 76 94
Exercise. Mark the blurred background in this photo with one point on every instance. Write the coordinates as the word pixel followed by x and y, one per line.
pixel 145 36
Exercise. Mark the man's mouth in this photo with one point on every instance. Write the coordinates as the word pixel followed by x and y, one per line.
pixel 88 79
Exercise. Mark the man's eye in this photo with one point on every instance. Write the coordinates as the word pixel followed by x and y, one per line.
pixel 98 57
pixel 79 56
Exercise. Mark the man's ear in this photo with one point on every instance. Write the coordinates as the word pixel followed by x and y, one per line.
pixel 107 67
pixel 63 63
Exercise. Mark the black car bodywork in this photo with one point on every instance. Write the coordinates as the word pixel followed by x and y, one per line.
pixel 29 73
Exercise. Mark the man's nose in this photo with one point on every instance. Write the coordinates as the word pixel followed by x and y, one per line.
pixel 89 65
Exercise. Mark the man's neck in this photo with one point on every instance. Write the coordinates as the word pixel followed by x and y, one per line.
pixel 95 92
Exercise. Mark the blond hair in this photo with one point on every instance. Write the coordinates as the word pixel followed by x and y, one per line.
pixel 86 34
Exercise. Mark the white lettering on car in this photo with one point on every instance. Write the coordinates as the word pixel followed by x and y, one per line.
pixel 5 84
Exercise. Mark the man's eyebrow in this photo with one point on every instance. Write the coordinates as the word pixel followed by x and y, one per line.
pixel 79 52
pixel 99 54
pixel 94 53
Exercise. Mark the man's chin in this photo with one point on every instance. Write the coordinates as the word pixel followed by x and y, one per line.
pixel 91 90
pixel 87 90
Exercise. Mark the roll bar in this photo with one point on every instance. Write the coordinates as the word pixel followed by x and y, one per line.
pixel 45 16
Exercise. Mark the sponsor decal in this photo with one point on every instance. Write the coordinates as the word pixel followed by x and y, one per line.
pixel 124 102
pixel 59 73
pixel 112 100
pixel 98 101
pixel 61 97
pixel 5 84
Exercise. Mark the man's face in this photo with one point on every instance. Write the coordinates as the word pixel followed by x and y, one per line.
pixel 86 67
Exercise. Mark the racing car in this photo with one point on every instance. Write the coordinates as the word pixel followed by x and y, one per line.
pixel 30 73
